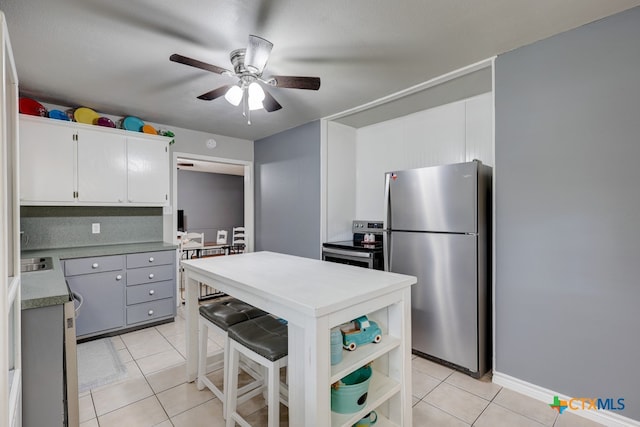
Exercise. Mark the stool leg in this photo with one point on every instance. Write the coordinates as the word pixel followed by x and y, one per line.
pixel 225 374
pixel 202 354
pixel 231 393
pixel 274 396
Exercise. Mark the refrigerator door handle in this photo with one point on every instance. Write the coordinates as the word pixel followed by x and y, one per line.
pixel 386 250
pixel 386 254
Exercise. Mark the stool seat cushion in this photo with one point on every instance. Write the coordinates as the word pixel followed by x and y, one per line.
pixel 265 335
pixel 227 313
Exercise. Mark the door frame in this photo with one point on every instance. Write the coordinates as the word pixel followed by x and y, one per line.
pixel 248 194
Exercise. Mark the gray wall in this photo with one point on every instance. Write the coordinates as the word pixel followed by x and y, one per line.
pixel 567 204
pixel 287 198
pixel 211 202
pixel 48 227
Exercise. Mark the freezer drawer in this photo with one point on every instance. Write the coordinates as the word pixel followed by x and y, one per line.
pixel 444 302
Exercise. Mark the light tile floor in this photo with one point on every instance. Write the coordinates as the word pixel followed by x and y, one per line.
pixel 155 393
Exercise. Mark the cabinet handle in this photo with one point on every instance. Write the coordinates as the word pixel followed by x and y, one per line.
pixel 151 292
pixel 151 276
pixel 94 265
pixel 119 277
pixel 150 312
pixel 150 259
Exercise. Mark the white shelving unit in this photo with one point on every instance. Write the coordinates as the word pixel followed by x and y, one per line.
pixel 381 387
pixel 10 364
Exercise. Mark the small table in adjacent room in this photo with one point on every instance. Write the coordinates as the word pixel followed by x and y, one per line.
pixel 315 296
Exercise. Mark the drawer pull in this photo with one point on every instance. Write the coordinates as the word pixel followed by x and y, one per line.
pixel 119 277
pixel 150 275
pixel 94 265
pixel 150 312
pixel 151 292
pixel 150 259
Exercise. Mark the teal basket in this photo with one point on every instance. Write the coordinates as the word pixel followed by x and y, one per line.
pixel 349 395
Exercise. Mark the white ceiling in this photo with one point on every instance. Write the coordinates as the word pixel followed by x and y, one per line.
pixel 113 55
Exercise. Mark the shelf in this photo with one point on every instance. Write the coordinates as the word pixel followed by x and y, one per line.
pixel 381 388
pixel 383 421
pixel 352 360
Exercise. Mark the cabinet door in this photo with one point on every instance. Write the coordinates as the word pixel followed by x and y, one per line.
pixel 148 178
pixel 102 301
pixel 47 162
pixel 102 167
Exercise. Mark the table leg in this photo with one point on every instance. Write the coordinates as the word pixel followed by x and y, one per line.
pixel 191 313
pixel 296 375
pixel 309 373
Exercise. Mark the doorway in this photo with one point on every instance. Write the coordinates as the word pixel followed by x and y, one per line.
pixel 222 170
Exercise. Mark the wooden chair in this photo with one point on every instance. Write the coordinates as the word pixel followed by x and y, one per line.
pixel 238 242
pixel 191 242
pixel 221 237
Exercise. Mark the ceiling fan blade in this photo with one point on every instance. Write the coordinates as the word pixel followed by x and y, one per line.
pixel 269 103
pixel 294 82
pixel 198 64
pixel 257 54
pixel 216 93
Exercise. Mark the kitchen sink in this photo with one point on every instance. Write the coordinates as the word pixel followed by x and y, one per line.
pixel 35 264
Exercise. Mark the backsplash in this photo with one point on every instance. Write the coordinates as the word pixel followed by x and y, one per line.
pixel 50 227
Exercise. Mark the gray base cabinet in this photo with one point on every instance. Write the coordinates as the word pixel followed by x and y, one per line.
pixel 100 283
pixel 43 377
pixel 122 291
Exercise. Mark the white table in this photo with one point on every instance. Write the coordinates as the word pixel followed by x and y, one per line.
pixel 314 296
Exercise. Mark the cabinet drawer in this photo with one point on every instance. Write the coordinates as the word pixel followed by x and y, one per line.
pixel 149 274
pixel 73 267
pixel 147 259
pixel 149 311
pixel 150 292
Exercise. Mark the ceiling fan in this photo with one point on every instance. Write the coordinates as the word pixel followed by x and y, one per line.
pixel 248 65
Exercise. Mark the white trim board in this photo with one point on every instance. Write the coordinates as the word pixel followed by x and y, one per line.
pixel 607 418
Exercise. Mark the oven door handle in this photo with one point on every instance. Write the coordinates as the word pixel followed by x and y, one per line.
pixel 354 254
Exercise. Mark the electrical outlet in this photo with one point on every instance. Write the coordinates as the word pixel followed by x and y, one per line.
pixel 95 228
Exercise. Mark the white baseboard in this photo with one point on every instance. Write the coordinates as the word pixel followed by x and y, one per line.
pixel 607 418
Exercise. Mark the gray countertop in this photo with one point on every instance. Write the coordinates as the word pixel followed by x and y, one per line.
pixel 45 288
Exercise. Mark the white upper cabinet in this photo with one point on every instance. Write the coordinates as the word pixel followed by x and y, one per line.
pixel 65 163
pixel 148 171
pixel 102 167
pixel 47 163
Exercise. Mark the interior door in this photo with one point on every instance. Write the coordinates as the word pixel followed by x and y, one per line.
pixel 444 308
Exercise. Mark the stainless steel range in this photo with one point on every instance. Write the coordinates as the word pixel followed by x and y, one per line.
pixel 364 250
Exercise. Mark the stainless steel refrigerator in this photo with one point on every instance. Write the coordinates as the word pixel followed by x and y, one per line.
pixel 438 229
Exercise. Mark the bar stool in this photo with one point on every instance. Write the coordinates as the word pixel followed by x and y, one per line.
pixel 265 341
pixel 219 316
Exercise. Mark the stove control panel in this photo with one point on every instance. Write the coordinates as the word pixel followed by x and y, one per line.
pixel 360 226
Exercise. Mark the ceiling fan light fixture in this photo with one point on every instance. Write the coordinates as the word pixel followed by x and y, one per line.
pixel 234 95
pixel 256 92
pixel 257 54
pixel 255 104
